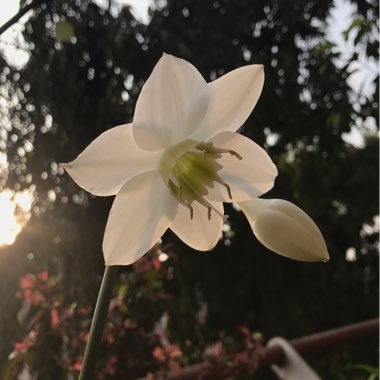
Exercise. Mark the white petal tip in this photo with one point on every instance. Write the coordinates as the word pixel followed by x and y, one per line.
pixel 312 257
pixel 115 258
pixel 275 170
pixel 65 165
pixel 203 250
pixel 326 259
pixel 112 264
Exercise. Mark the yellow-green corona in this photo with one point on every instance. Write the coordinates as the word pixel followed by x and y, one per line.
pixel 190 169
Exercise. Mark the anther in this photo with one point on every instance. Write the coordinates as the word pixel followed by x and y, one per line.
pixel 235 154
pixel 228 189
pixel 209 213
pixel 190 207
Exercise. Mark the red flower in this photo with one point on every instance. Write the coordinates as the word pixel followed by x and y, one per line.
pixel 159 354
pixel 21 346
pixel 54 317
pixel 77 366
pixel 43 276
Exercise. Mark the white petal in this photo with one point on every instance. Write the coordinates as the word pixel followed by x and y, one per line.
pixel 285 229
pixel 232 98
pixel 109 161
pixel 199 233
pixel 141 213
pixel 249 177
pixel 171 106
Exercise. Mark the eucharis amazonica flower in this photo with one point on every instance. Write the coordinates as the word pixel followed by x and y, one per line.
pixel 178 161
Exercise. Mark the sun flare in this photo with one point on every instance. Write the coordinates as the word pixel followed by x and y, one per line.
pixel 14 213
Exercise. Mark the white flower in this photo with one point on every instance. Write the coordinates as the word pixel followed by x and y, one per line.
pixel 178 161
pixel 285 229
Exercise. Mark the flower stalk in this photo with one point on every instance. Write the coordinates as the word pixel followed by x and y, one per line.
pixel 97 324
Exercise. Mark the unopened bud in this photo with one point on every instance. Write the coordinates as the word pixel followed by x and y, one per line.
pixel 285 229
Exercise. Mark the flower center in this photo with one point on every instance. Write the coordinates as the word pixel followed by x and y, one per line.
pixel 190 169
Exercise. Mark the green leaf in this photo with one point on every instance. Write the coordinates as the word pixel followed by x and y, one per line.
pixel 64 31
pixel 324 48
pixel 122 291
pixel 372 371
pixel 356 23
pixel 334 120
pixel 8 370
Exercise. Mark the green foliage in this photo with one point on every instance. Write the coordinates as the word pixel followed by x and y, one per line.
pixel 364 30
pixel 64 31
pixel 369 370
pixel 22 3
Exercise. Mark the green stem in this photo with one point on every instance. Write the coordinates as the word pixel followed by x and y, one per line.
pixel 97 324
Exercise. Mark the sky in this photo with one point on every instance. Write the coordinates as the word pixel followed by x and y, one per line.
pixel 140 8
pixel 12 36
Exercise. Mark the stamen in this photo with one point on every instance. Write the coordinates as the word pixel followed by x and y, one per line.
pixel 210 148
pixel 228 189
pixel 190 170
pixel 210 207
pixel 224 217
pixel 235 154
pixel 191 210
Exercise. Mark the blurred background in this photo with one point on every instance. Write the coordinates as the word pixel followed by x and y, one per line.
pixel 70 70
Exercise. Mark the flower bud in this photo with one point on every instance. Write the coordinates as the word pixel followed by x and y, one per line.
pixel 285 229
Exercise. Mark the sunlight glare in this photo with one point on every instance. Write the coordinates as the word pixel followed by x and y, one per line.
pixel 23 200
pixel 14 213
pixel 3 160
